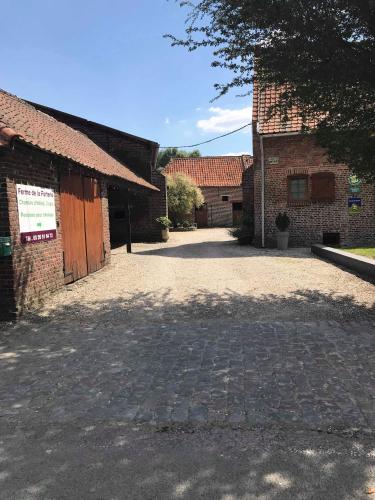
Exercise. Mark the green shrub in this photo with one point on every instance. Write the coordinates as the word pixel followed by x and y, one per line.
pixel 164 222
pixel 282 222
pixel 183 196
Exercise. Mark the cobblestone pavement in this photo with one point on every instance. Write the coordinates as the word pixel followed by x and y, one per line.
pixel 161 357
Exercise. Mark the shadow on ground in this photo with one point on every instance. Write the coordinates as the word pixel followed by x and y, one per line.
pixel 222 250
pixel 100 462
pixel 162 306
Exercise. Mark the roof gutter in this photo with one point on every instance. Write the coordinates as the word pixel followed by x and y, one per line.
pixel 263 176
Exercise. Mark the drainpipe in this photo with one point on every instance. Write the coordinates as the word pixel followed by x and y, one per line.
pixel 262 187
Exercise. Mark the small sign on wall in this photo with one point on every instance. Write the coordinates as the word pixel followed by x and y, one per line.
pixel 273 160
pixel 354 205
pixel 354 184
pixel 36 213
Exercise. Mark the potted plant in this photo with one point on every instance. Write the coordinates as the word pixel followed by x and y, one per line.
pixel 282 223
pixel 165 224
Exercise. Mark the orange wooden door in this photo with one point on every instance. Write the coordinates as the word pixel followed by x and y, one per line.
pixel 73 227
pixel 93 224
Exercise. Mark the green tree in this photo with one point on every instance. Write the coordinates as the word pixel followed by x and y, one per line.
pixel 168 154
pixel 322 52
pixel 183 196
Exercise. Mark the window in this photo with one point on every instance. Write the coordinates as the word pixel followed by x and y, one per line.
pixel 298 188
pixel 323 187
pixel 237 205
pixel 225 197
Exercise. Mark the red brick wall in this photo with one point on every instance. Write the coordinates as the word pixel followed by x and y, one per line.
pixel 34 270
pixel 248 191
pixel 220 213
pixel 301 155
pixel 7 305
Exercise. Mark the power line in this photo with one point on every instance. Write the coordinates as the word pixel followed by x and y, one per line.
pixel 206 142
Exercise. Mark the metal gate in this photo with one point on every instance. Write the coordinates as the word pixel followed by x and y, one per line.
pixel 82 226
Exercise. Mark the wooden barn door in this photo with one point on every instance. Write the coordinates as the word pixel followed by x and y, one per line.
pixel 82 226
pixel 93 224
pixel 73 227
pixel 237 213
pixel 201 216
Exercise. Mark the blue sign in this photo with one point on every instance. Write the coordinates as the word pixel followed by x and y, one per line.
pixel 354 201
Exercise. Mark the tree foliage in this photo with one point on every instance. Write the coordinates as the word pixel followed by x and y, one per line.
pixel 183 196
pixel 322 52
pixel 166 155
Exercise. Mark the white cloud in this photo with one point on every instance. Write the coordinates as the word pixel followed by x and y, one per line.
pixel 167 121
pixel 237 154
pixel 198 109
pixel 224 120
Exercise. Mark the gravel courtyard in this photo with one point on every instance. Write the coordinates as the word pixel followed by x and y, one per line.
pixel 205 274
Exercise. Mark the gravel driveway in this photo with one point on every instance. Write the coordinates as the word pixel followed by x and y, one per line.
pixel 205 274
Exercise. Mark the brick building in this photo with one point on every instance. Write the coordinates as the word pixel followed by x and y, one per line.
pixel 54 185
pixel 140 156
pixel 293 174
pixel 222 180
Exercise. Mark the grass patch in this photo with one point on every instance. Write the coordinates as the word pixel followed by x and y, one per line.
pixel 364 251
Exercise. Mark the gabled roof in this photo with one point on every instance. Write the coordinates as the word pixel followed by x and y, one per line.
pixel 21 120
pixel 263 99
pixel 58 114
pixel 215 171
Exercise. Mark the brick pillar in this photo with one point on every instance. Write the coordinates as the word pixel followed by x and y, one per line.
pixel 158 206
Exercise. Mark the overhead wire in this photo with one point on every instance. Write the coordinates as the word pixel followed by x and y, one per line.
pixel 210 140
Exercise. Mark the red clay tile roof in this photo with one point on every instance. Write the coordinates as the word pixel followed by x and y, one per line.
pixel 211 170
pixel 262 101
pixel 20 119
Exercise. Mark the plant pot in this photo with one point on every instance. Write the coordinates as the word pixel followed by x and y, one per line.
pixel 244 240
pixel 282 240
pixel 165 234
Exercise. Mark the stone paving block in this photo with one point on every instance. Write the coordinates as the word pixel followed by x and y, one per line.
pixel 198 414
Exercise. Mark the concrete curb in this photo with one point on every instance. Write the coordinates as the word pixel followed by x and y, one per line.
pixel 356 263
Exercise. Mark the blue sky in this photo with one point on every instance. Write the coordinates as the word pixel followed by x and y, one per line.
pixel 109 62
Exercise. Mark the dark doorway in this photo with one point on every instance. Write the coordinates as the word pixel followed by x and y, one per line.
pixel 331 239
pixel 201 216
pixel 237 212
pixel 117 206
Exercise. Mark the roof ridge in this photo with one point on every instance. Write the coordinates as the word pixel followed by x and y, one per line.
pixel 209 156
pixel 66 152
pixel 122 132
